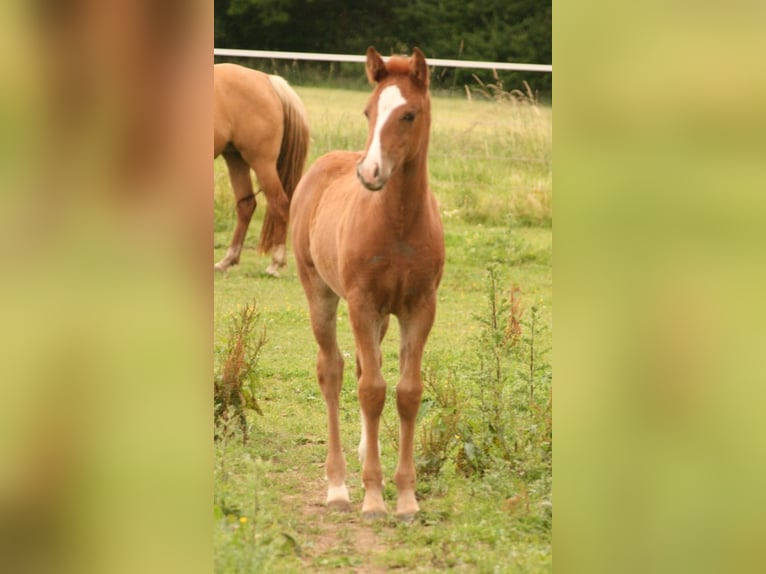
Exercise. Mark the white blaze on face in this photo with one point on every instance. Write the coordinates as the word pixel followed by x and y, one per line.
pixel 389 100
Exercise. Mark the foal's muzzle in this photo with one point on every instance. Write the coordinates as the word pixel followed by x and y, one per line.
pixel 370 178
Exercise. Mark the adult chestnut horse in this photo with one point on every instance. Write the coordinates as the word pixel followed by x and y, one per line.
pixel 366 227
pixel 261 123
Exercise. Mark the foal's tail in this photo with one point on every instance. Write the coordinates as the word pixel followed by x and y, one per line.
pixel 293 152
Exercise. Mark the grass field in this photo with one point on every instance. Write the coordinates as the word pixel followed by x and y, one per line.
pixel 484 433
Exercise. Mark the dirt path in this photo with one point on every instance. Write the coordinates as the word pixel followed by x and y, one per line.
pixel 330 539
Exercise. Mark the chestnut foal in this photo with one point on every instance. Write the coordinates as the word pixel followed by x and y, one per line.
pixel 366 227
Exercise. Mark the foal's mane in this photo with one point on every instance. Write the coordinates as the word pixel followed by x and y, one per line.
pixel 398 66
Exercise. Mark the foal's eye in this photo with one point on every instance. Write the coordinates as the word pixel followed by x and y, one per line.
pixel 408 117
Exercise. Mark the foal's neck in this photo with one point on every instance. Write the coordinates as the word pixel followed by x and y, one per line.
pixel 407 189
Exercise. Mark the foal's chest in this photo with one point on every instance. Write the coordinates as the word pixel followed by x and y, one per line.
pixel 395 272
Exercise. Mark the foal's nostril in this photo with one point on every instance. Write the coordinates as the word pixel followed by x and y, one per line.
pixel 376 173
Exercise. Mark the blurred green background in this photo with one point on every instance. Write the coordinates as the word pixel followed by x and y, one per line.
pixel 658 276
pixel 491 30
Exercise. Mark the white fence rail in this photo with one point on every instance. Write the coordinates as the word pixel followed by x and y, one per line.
pixel 361 59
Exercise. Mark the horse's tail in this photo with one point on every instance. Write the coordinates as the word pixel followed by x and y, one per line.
pixel 292 153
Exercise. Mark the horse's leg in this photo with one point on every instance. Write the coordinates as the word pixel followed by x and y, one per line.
pixel 278 209
pixel 368 326
pixel 239 172
pixel 363 434
pixel 323 308
pixel 414 327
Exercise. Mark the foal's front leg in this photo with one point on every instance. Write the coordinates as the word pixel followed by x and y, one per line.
pixel 323 307
pixel 414 328
pixel 368 328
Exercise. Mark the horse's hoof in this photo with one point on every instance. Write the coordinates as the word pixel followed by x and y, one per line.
pixel 374 515
pixel 406 518
pixel 220 268
pixel 272 271
pixel 406 506
pixel 337 498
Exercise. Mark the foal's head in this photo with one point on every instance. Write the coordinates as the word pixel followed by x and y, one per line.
pixel 399 115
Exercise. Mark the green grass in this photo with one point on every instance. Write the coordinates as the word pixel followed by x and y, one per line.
pixel 490 166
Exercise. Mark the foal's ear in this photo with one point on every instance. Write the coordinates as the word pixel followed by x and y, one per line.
pixel 376 67
pixel 418 67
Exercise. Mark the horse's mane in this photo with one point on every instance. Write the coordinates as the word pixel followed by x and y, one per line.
pixel 398 66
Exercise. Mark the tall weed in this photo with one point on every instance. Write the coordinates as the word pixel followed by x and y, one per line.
pixel 234 386
pixel 497 92
pixel 439 424
pixel 494 412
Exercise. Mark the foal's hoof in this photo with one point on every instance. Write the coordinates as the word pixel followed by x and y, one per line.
pixel 337 498
pixel 272 270
pixel 373 507
pixel 406 506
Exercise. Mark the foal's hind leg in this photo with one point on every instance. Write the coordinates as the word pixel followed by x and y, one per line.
pixel 276 216
pixel 239 172
pixel 323 307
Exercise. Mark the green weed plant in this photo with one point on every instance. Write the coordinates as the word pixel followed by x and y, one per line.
pixel 235 384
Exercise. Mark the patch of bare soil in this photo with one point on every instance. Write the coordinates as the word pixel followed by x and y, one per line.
pixel 331 538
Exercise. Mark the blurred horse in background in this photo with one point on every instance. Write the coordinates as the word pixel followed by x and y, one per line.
pixel 259 123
